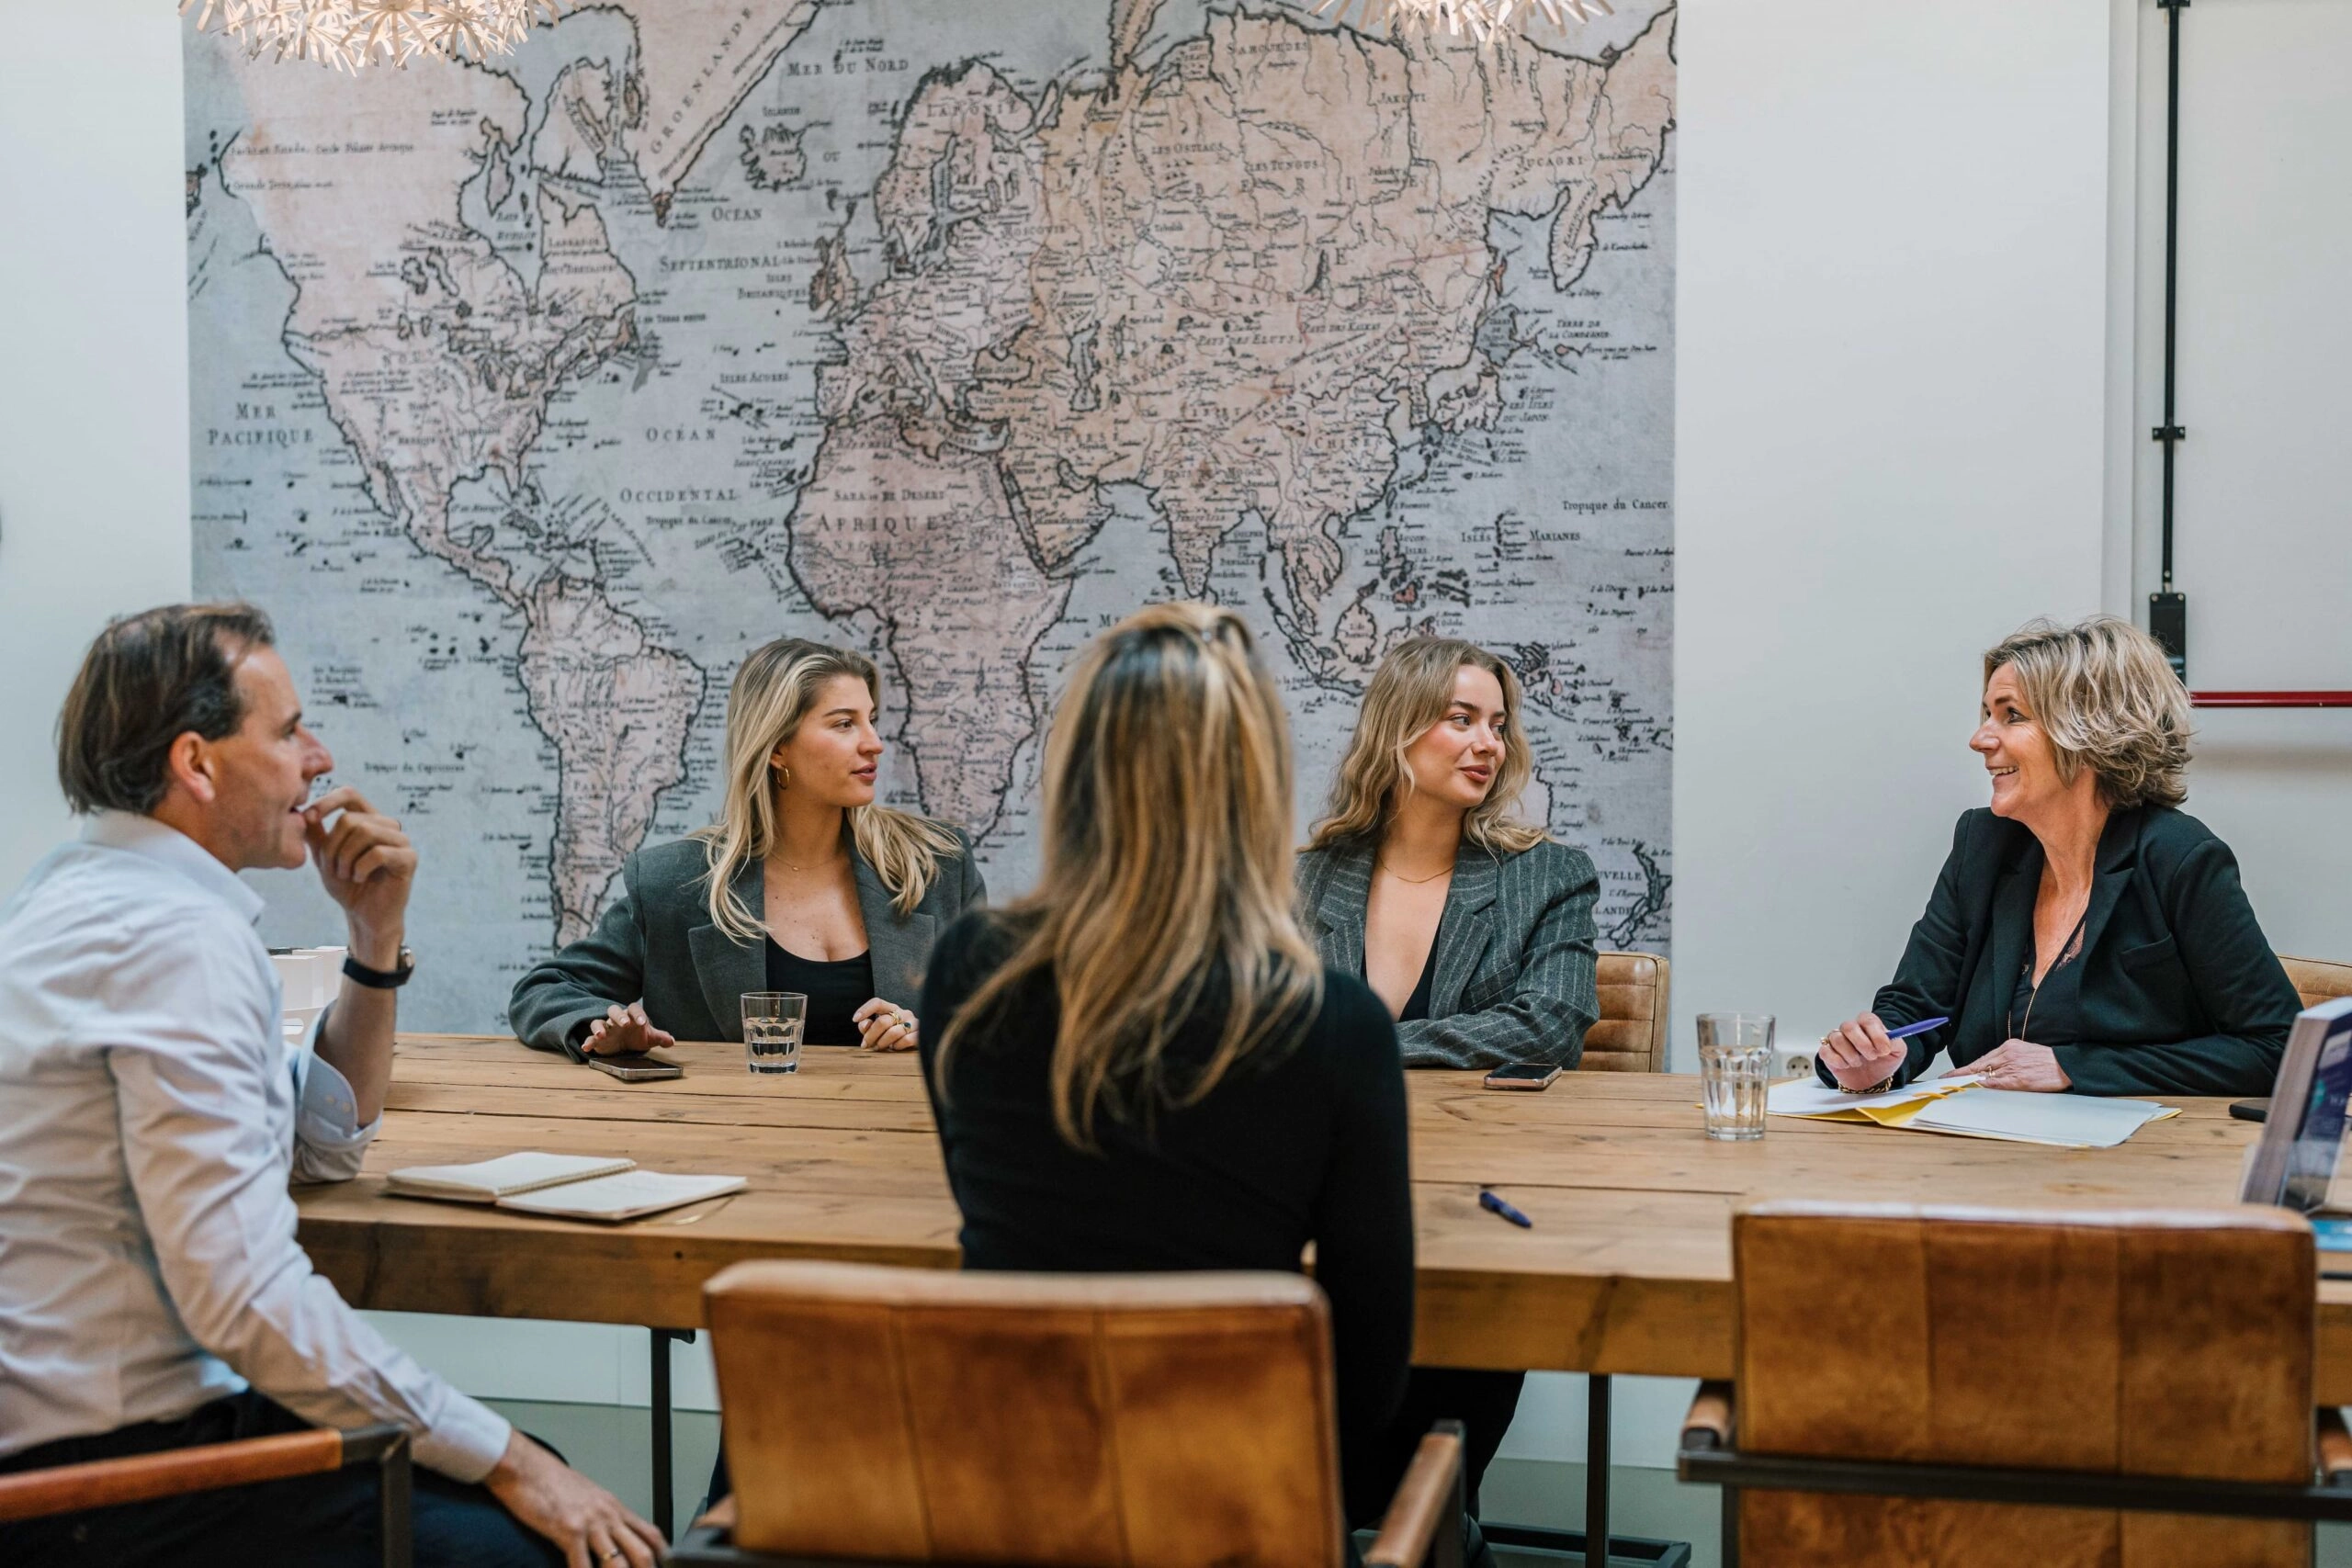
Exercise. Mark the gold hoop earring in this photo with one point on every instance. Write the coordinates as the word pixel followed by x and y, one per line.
pixel 783 777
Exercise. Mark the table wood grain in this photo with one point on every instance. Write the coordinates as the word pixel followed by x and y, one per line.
pixel 1627 1269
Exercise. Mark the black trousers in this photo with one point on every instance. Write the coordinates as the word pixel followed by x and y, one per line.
pixel 328 1521
pixel 1483 1402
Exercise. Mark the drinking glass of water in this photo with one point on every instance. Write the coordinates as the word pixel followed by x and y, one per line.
pixel 772 1021
pixel 1735 1067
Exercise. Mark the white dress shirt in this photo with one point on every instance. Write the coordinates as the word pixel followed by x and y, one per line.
pixel 151 1116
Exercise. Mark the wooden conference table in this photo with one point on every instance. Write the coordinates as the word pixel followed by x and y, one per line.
pixel 1627 1268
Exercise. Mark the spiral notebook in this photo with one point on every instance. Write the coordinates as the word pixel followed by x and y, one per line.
pixel 572 1187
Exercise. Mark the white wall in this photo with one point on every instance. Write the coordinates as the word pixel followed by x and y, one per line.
pixel 94 465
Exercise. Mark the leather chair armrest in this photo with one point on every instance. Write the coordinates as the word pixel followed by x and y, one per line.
pixel 720 1516
pixel 1428 1500
pixel 1713 1415
pixel 2334 1449
pixel 69 1488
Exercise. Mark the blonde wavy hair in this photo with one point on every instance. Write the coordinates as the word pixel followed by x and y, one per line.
pixel 2106 695
pixel 1411 690
pixel 1167 878
pixel 773 692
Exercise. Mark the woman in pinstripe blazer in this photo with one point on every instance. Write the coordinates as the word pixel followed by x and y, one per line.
pixel 1474 927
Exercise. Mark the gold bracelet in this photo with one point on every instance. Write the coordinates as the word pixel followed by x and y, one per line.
pixel 1879 1088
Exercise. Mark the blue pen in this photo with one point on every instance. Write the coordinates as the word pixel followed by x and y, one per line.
pixel 1908 1030
pixel 1489 1201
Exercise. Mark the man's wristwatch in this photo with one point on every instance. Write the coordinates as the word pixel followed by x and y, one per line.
pixel 381 979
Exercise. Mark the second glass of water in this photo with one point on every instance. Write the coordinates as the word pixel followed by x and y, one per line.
pixel 1735 1069
pixel 771 1023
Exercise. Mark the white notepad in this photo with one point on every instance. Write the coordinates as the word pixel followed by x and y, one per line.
pixel 486 1181
pixel 623 1197
pixel 572 1187
pixel 2067 1120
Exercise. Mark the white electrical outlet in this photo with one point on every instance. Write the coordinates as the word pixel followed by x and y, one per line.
pixel 1792 1061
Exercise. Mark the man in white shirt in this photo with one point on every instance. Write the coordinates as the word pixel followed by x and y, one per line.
pixel 151 1292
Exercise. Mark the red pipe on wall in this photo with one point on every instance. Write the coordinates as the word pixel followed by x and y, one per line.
pixel 2272 699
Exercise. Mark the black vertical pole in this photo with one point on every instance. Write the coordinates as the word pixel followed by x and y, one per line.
pixel 663 1508
pixel 1596 1471
pixel 393 1504
pixel 2168 608
pixel 2171 433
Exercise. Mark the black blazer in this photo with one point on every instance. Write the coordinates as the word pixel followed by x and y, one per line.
pixel 2180 990
pixel 655 943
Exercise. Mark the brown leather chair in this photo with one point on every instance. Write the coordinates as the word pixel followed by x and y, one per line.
pixel 1907 1377
pixel 910 1416
pixel 1630 1035
pixel 175 1473
pixel 2318 980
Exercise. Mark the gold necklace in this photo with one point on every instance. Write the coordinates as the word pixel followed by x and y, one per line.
pixel 1412 881
pixel 789 866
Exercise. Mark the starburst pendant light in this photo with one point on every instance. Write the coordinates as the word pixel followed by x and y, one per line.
pixel 1485 20
pixel 349 34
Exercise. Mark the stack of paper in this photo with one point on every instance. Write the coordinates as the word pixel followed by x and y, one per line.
pixel 1962 1106
pixel 2067 1120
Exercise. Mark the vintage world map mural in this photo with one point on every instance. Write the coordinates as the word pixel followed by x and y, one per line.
pixel 530 395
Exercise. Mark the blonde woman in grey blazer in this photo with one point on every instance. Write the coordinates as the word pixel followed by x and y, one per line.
pixel 803 885
pixel 1472 926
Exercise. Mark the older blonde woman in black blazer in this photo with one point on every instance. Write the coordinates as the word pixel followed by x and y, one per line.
pixel 1474 927
pixel 2086 935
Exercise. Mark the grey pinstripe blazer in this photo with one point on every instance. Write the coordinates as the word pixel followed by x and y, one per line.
pixel 1515 980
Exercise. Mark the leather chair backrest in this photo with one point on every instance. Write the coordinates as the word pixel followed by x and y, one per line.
pixel 1630 1035
pixel 1092 1421
pixel 2318 980
pixel 2168 1344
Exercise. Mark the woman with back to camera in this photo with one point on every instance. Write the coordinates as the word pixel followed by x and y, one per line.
pixel 1142 1066
pixel 2085 934
pixel 1473 927
pixel 804 884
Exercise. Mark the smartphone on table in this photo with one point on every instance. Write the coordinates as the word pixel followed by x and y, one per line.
pixel 642 1067
pixel 1523 1074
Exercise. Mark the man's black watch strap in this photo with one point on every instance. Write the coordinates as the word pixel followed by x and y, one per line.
pixel 380 979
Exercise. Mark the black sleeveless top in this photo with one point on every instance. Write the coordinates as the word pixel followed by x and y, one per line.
pixel 835 991
pixel 2052 1012
pixel 1417 1006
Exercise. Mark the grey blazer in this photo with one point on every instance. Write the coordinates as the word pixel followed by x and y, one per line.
pixel 1515 980
pixel 656 942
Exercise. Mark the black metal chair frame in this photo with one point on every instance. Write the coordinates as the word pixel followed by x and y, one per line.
pixel 385 1447
pixel 709 1546
pixel 1707 1459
